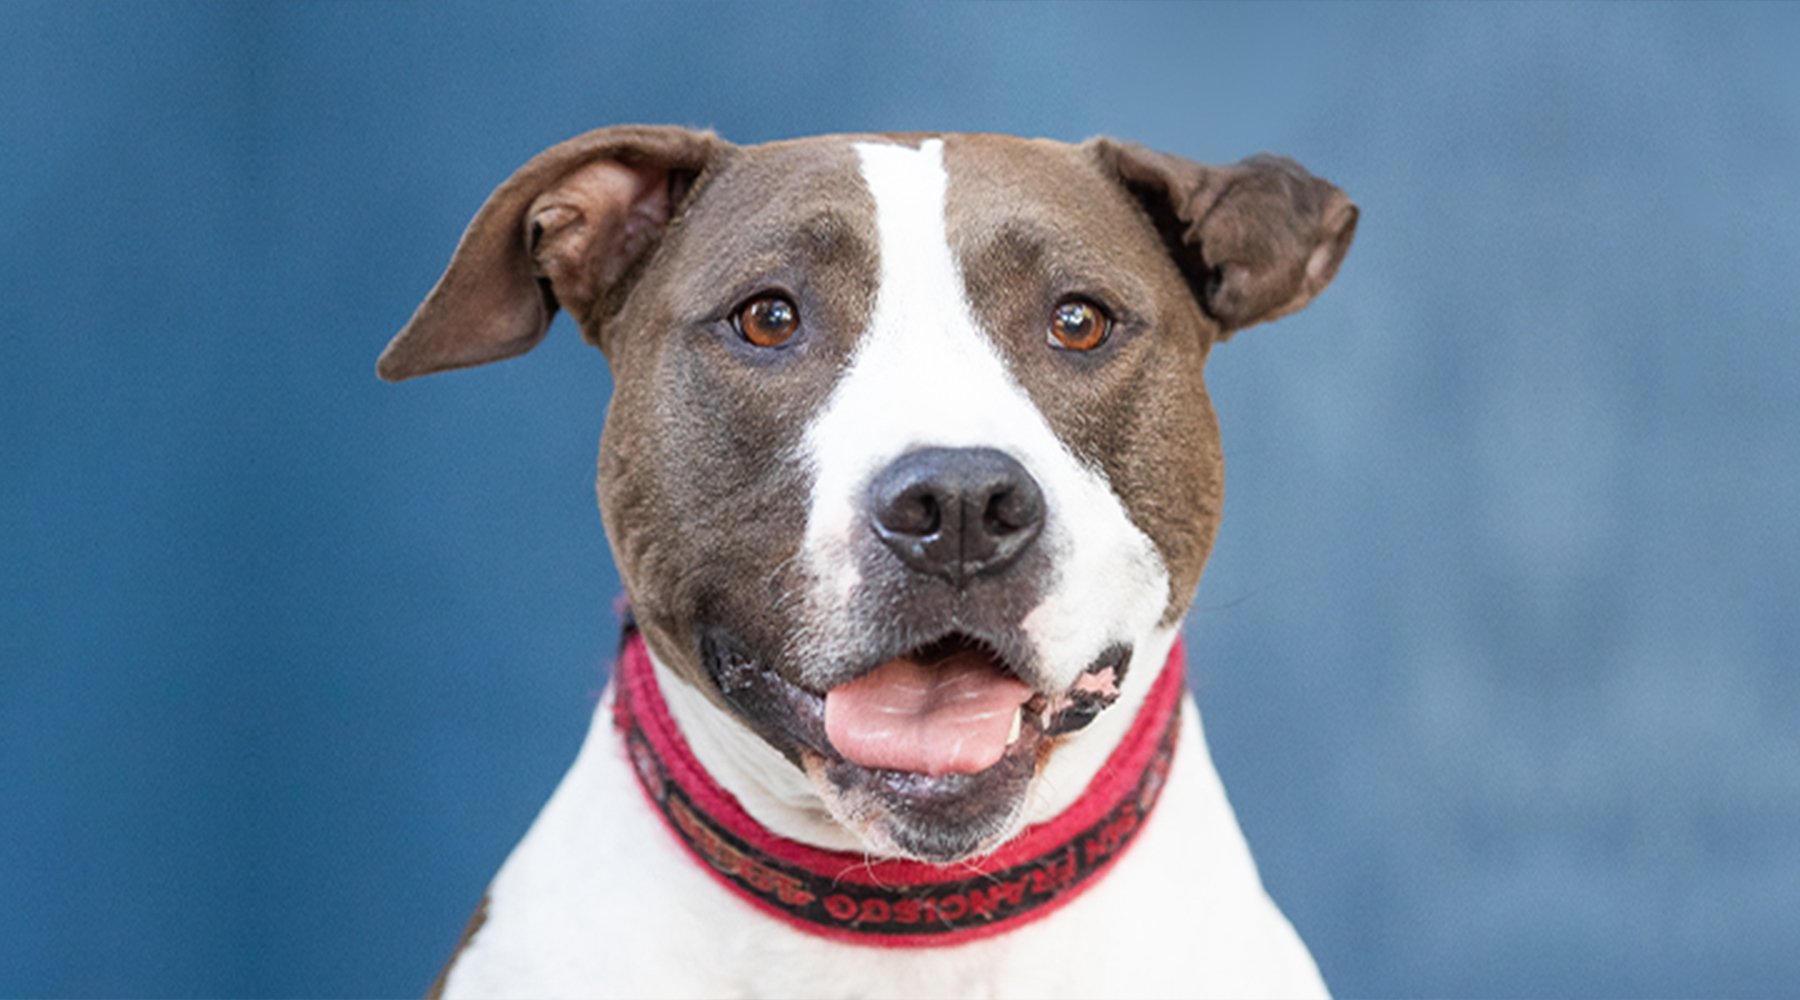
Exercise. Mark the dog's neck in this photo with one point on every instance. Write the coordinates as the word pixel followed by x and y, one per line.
pixel 778 796
pixel 852 896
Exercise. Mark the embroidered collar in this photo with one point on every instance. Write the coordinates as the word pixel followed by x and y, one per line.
pixel 895 902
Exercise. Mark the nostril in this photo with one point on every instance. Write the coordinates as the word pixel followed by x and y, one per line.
pixel 923 515
pixel 931 516
pixel 1010 510
pixel 915 512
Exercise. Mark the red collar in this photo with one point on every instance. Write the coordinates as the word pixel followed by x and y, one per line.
pixel 893 902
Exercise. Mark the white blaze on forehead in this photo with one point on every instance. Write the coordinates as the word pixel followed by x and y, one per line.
pixel 925 375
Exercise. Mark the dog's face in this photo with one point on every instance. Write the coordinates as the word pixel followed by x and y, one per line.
pixel 909 451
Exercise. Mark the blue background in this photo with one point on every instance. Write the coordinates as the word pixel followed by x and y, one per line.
pixel 1495 651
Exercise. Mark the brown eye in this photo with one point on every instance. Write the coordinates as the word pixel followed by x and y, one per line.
pixel 1078 325
pixel 767 321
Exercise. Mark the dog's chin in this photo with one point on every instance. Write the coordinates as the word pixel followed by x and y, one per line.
pixel 940 817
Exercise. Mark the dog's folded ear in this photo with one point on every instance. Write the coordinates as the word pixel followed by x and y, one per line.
pixel 1256 240
pixel 564 230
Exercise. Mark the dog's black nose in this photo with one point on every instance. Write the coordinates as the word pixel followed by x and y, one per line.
pixel 957 513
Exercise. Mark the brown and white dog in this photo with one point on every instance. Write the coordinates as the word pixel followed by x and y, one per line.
pixel 910 473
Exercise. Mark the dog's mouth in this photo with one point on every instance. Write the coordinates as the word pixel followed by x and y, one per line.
pixel 929 752
pixel 950 708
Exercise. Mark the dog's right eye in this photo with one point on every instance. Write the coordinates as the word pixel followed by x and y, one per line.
pixel 1079 324
pixel 767 320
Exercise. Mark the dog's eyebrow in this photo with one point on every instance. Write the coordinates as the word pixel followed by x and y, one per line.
pixel 820 234
pixel 1029 248
pixel 822 239
pixel 1029 239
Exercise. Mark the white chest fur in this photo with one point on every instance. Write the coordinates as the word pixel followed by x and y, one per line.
pixel 599 900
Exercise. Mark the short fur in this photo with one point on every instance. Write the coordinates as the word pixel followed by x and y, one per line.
pixel 732 483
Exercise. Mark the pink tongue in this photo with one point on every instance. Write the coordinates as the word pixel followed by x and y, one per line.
pixel 952 717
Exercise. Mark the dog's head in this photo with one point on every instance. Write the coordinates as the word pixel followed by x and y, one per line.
pixel 909 459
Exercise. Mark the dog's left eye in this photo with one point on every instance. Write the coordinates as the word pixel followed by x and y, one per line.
pixel 1078 325
pixel 767 320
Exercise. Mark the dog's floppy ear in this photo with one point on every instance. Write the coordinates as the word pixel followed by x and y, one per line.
pixel 1256 240
pixel 561 231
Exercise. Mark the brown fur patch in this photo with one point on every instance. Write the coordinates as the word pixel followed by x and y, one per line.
pixel 702 431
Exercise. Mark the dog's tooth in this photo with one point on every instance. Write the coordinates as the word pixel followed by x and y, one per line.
pixel 1018 726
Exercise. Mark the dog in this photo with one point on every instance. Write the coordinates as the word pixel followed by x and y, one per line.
pixel 909 473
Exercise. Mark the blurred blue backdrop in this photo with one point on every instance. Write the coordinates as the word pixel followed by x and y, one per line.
pixel 1496 648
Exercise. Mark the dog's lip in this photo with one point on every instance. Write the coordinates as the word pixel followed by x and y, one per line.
pixel 799 712
pixel 923 790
